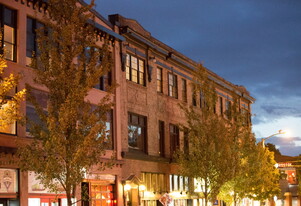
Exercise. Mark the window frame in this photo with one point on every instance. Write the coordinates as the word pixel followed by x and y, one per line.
pixel 174 135
pixel 140 75
pixel 184 90
pixel 161 136
pixel 143 126
pixel 159 80
pixel 12 126
pixel 36 24
pixel 172 85
pixel 14 33
pixel 221 106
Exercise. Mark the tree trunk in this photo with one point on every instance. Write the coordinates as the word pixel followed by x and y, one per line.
pixel 69 198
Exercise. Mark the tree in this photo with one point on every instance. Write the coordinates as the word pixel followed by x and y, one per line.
pixel 213 139
pixel 235 189
pixel 273 148
pixel 71 136
pixel 256 176
pixel 9 102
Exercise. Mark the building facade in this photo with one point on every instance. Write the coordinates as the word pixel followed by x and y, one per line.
pixel 153 79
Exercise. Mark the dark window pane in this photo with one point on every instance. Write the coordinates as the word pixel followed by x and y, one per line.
pixel 137 132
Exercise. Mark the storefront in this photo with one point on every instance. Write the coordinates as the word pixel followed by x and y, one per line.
pixel 9 187
pixel 99 190
pixel 38 195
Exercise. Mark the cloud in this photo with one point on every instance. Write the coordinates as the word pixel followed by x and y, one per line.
pixel 288 146
pixel 252 43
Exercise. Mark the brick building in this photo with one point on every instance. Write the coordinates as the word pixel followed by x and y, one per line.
pixel 152 77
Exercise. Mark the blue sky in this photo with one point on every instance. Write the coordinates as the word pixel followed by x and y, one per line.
pixel 255 43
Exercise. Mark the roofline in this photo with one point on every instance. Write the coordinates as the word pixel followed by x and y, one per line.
pixel 191 65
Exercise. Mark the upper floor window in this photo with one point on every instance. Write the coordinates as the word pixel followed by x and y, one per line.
pixel 161 139
pixel 32 116
pixel 8 24
pixel 105 81
pixel 135 70
pixel 174 138
pixel 31 37
pixel 184 90
pixel 186 141
pixel 109 138
pixel 7 128
pixel 137 132
pixel 202 100
pixel 194 103
pixel 159 80
pixel 221 105
pixel 228 109
pixel 172 85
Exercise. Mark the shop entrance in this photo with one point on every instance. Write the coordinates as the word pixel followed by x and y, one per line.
pixel 132 191
pixel 133 196
pixel 3 202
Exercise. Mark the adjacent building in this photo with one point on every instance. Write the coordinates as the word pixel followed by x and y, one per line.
pixel 153 79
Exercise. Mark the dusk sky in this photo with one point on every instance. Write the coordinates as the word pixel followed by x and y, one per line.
pixel 255 43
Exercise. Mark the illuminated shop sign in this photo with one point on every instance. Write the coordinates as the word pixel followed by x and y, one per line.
pixel 8 181
pixel 284 164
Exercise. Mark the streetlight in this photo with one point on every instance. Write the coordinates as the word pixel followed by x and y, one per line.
pixel 264 139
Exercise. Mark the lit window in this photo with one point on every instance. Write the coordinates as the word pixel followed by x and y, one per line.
pixel 135 70
pixel 7 128
pixel 172 85
pixel 159 80
pixel 8 26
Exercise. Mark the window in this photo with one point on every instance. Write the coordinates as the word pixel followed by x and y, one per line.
pixel 228 109
pixel 161 139
pixel 135 70
pixel 102 194
pixel 221 106
pixel 186 141
pixel 246 116
pixel 202 100
pixel 31 36
pixel 184 90
pixel 193 97
pixel 105 81
pixel 174 138
pixel 7 128
pixel 137 132
pixel 109 140
pixel 8 23
pixel 31 114
pixel 159 80
pixel 179 183
pixel 154 182
pixel 172 85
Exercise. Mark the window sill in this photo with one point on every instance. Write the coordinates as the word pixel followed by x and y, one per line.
pixel 140 155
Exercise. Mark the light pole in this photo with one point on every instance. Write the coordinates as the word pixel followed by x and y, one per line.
pixel 264 139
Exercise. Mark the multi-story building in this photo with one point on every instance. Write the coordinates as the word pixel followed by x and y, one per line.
pixel 153 79
pixel 19 20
